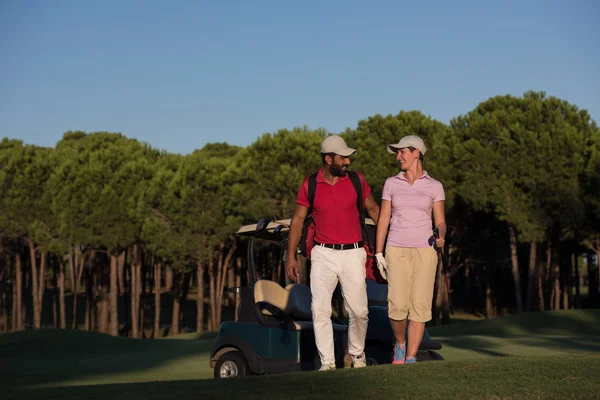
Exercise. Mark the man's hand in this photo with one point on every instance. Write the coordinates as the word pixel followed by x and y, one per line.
pixel 381 265
pixel 292 269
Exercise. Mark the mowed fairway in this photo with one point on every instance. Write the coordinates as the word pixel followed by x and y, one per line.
pixel 532 355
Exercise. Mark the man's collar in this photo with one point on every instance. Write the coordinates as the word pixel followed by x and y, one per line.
pixel 322 180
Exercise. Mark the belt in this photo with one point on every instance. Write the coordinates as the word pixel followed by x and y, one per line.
pixel 335 246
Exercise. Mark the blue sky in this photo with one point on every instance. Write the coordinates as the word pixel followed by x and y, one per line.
pixel 180 74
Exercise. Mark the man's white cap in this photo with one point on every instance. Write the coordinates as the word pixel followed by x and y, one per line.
pixel 408 141
pixel 336 144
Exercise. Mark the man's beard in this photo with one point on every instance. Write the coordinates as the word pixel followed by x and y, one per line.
pixel 336 170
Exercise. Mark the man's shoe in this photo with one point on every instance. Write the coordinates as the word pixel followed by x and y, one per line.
pixel 327 367
pixel 359 361
pixel 399 353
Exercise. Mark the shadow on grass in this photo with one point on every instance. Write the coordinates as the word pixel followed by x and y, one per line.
pixel 53 357
pixel 532 345
pixel 563 323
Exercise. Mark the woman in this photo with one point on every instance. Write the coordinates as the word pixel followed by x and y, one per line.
pixel 410 261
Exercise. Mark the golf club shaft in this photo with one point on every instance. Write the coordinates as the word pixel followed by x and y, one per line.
pixel 444 271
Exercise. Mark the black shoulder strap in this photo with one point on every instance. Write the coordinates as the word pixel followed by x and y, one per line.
pixel 312 188
pixel 358 187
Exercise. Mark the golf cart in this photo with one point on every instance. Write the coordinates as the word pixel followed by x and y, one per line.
pixel 274 332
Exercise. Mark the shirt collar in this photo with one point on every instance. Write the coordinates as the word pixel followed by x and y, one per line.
pixel 322 180
pixel 402 176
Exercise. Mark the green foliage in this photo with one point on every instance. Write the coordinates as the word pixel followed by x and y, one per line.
pixel 521 158
pixel 372 136
pixel 98 188
pixel 263 179
pixel 25 202
pixel 530 162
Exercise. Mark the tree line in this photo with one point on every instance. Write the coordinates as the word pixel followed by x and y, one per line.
pixel 117 227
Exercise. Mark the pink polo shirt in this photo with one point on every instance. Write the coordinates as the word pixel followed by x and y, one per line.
pixel 411 222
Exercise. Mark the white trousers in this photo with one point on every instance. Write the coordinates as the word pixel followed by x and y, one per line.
pixel 329 266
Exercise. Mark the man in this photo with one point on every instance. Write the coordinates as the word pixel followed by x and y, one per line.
pixel 338 254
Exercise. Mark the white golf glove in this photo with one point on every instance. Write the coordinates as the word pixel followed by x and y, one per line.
pixel 381 265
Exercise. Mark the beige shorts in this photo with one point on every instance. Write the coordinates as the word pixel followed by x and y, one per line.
pixel 411 277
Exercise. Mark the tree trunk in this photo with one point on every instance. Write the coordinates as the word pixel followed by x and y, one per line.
pixel 531 280
pixel 177 305
pixel 134 280
pixel 61 294
pixel 38 283
pixel 121 273
pixel 18 324
pixel 76 270
pixel 103 305
pixel 175 319
pixel 103 314
pixel 55 299
pixel 92 295
pixel 567 290
pixel 121 284
pixel 577 281
pixel 490 310
pixel 4 299
pixel 133 299
pixel 540 286
pixel 238 283
pixel 212 290
pixel 157 276
pixel 515 268
pixel 230 284
pixel 223 270
pixel 593 279
pixel 26 286
pixel 200 297
pixel 114 293
pixel 139 299
pixel 168 279
pixel 556 288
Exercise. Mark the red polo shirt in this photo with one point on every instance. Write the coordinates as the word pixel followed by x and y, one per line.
pixel 334 210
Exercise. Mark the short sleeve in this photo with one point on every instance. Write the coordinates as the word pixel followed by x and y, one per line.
pixel 439 195
pixel 387 191
pixel 302 197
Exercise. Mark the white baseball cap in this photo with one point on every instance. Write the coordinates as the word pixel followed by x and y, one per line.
pixel 336 144
pixel 408 141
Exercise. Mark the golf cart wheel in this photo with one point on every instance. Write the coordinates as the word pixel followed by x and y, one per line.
pixel 429 355
pixel 378 355
pixel 230 365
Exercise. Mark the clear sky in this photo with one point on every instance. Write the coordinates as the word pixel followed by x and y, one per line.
pixel 179 74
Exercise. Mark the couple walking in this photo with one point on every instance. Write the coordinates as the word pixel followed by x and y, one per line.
pixel 405 217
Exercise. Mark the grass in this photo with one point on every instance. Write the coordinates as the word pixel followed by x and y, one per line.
pixel 492 378
pixel 531 355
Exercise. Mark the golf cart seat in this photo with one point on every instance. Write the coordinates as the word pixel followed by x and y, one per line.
pixel 289 304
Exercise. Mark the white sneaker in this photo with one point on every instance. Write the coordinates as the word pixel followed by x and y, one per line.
pixel 326 367
pixel 359 361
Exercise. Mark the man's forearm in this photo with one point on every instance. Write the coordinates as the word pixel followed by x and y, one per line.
pixel 294 237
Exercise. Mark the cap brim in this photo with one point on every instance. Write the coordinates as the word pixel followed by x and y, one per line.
pixel 392 148
pixel 347 152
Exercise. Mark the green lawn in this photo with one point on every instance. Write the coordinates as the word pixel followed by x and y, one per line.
pixel 532 355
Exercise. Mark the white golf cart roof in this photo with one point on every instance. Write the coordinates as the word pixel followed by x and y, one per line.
pixel 250 230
